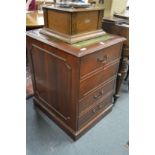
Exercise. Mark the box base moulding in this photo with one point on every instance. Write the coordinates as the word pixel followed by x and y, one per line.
pixel 72 38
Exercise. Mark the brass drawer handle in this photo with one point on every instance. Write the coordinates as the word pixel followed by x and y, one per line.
pixel 119 74
pixel 100 105
pixel 94 111
pixel 103 59
pixel 97 96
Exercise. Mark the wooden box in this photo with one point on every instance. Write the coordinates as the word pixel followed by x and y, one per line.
pixel 73 24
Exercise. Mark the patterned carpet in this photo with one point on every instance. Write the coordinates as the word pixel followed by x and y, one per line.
pixel 29 87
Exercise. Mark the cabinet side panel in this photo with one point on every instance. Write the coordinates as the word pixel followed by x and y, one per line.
pixel 59 21
pixel 55 79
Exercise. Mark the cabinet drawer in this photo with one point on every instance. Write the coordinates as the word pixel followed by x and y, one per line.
pixel 96 96
pixel 94 111
pixel 95 61
pixel 91 83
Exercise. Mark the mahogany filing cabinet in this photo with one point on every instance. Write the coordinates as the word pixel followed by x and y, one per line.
pixel 74 84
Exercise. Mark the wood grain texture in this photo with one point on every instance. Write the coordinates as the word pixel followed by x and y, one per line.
pixel 100 17
pixel 100 59
pixel 72 22
pixel 85 22
pixel 45 18
pixel 94 111
pixel 74 50
pixel 97 95
pixel 54 80
pixel 99 78
pixel 74 103
pixel 59 21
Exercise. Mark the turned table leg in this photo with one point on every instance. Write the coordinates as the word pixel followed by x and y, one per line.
pixel 123 69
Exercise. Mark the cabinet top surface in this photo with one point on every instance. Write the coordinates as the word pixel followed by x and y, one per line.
pixel 72 9
pixel 78 49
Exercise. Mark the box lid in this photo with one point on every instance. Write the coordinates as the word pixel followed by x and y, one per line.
pixel 72 9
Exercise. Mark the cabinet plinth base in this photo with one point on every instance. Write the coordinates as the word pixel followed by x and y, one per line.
pixel 75 135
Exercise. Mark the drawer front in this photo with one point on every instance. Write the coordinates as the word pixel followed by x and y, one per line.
pixel 91 83
pixel 96 96
pixel 94 111
pixel 96 61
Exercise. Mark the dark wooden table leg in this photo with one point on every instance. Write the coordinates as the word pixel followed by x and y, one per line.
pixel 127 76
pixel 123 69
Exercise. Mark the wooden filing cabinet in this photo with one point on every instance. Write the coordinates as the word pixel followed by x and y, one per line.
pixel 74 84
